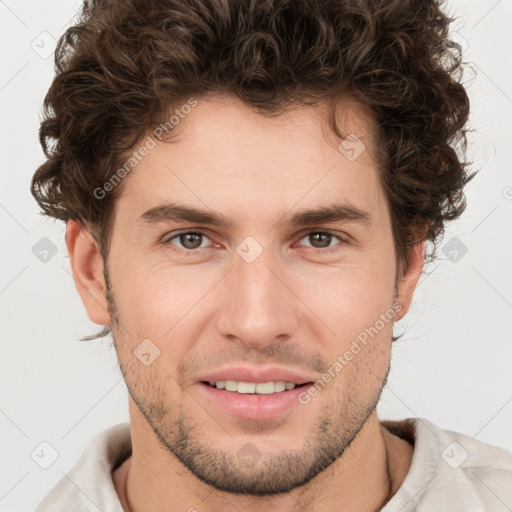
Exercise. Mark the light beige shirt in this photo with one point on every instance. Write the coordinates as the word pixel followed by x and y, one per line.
pixel 449 472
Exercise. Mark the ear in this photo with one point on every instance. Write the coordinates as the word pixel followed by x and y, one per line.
pixel 87 267
pixel 409 280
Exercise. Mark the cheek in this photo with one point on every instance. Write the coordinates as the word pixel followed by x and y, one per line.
pixel 160 302
pixel 348 295
pixel 351 298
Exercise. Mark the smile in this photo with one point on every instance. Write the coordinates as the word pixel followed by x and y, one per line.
pixel 258 388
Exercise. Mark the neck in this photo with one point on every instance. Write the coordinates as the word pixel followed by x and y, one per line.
pixel 364 478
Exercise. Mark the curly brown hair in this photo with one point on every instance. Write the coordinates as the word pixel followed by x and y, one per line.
pixel 125 64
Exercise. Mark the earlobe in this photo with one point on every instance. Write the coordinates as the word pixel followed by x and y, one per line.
pixel 87 268
pixel 407 285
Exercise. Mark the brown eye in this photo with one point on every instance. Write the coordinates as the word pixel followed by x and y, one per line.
pixel 322 241
pixel 188 240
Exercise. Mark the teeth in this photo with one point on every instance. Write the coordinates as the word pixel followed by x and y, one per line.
pixel 230 385
pixel 261 388
pixel 279 386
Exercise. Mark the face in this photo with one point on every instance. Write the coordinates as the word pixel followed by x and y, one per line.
pixel 270 294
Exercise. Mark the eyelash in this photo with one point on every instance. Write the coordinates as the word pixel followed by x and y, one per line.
pixel 330 250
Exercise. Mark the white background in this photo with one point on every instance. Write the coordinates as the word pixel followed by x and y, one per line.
pixel 453 365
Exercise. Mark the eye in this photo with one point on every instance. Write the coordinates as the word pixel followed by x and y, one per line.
pixel 189 240
pixel 321 241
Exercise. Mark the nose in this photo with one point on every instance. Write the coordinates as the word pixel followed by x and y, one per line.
pixel 258 306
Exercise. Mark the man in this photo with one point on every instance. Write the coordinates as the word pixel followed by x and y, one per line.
pixel 249 189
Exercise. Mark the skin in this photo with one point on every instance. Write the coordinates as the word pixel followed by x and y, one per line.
pixel 294 307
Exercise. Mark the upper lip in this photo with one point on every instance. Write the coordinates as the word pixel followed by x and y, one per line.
pixel 265 374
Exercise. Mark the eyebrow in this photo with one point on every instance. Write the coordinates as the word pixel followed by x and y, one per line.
pixel 333 213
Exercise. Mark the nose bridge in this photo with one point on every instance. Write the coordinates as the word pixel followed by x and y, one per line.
pixel 255 281
pixel 258 307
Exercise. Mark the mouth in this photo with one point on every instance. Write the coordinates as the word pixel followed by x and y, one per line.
pixel 255 401
pixel 254 388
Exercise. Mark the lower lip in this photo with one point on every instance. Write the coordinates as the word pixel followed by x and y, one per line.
pixel 253 406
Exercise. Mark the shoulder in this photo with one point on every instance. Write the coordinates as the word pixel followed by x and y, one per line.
pixel 482 468
pixel 451 471
pixel 90 480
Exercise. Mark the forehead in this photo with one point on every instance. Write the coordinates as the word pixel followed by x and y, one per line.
pixel 225 156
